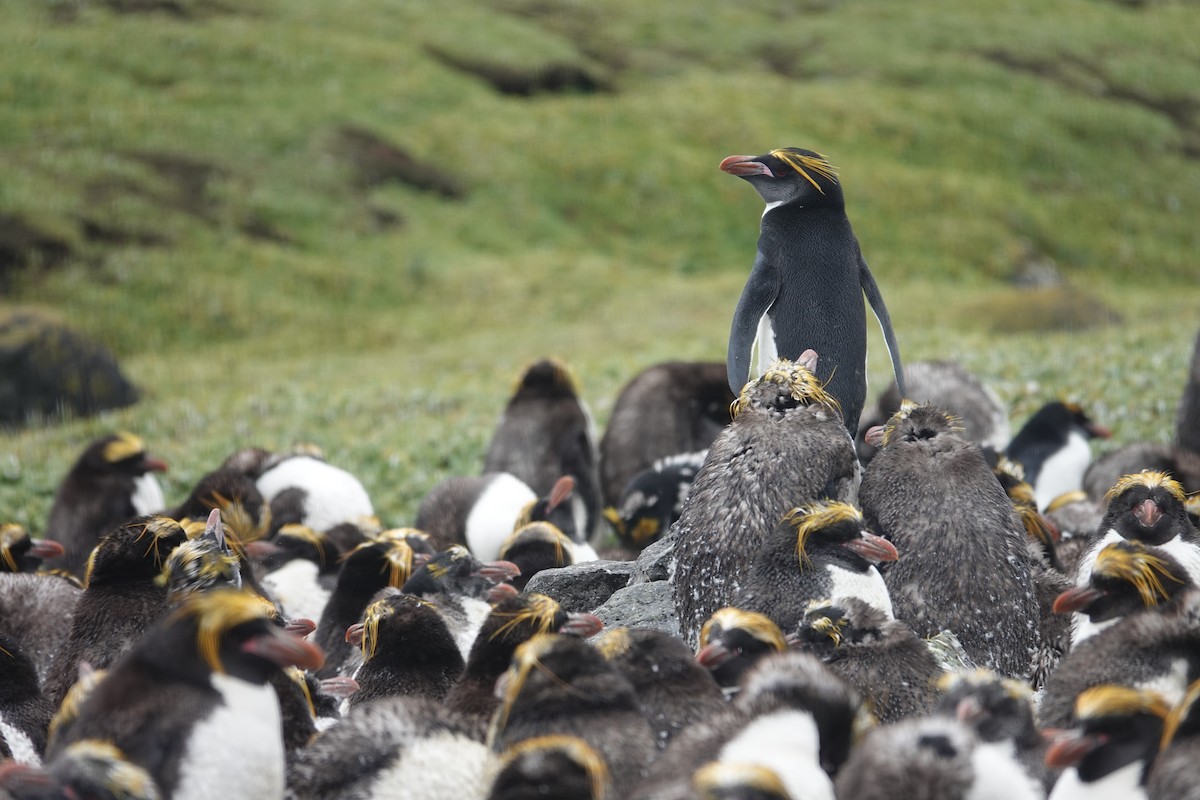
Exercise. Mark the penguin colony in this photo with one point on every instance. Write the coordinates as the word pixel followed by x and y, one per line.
pixel 915 607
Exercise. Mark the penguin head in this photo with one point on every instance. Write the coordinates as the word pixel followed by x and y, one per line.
pixel 119 453
pixel 406 622
pixel 1056 420
pixel 294 541
pixel 837 531
pixel 376 563
pixel 995 708
pixel 552 508
pixel 517 618
pixel 418 540
pixel 200 564
pixel 243 509
pixel 927 756
pixel 738 780
pixel 784 386
pixel 547 378
pixel 558 766
pixel 1115 726
pixel 788 174
pixel 649 655
pixel 653 499
pixel 135 551
pixel 232 632
pixel 827 626
pixel 534 547
pixel 1147 506
pixel 1127 576
pixel 97 768
pixel 732 640
pixel 919 425
pixel 456 571
pixel 20 553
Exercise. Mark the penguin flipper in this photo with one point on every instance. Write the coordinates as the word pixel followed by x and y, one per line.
pixel 762 287
pixel 875 299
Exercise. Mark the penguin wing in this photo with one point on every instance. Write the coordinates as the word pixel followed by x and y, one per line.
pixel 875 299
pixel 762 287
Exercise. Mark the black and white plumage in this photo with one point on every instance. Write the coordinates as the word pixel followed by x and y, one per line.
pixel 21 553
pixel 304 489
pixel 243 509
pixel 965 567
pixel 672 690
pixel 1053 447
pixel 535 547
pixel 546 432
pixel 394 747
pixel 733 640
pixel 299 570
pixel 818 552
pixel 24 712
pixel 1113 742
pixel 111 483
pixel 121 601
pixel 932 758
pixel 946 384
pixel 562 685
pixel 807 285
pixel 653 499
pixel 1187 413
pixel 194 693
pixel 666 409
pixel 786 446
pixel 881 657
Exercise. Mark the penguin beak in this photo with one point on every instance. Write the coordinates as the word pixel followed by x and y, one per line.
pixel 714 655
pixel 152 464
pixel 874 436
pixel 582 625
pixel 300 627
pixel 1148 513
pixel 872 547
pixel 284 650
pixel 745 166
pixel 354 634
pixel 1097 431
pixel 1076 599
pixel 968 710
pixel 46 548
pixel 501 591
pixel 1069 751
pixel 340 687
pixel 498 571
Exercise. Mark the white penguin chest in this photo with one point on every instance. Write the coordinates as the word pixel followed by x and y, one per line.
pixel 236 751
pixel 440 766
pixel 1000 776
pixel 1063 471
pixel 763 352
pixel 494 514
pixel 19 744
pixel 1123 784
pixel 333 496
pixel 297 588
pixel 787 743
pixel 866 586
pixel 147 495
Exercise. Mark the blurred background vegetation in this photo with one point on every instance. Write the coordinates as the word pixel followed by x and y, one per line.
pixel 354 223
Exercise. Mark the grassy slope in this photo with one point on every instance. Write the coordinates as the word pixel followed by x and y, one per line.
pixel 596 226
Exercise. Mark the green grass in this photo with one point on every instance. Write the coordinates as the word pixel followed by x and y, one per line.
pixel 387 323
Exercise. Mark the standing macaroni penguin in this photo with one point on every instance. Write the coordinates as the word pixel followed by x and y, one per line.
pixel 805 290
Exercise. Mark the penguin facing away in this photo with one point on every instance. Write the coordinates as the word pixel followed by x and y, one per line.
pixel 1176 771
pixel 806 288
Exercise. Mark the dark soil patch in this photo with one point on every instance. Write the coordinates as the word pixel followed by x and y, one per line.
pixel 24 245
pixel 550 78
pixel 377 161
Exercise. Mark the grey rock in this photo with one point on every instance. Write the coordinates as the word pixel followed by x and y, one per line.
pixel 582 587
pixel 641 605
pixel 653 564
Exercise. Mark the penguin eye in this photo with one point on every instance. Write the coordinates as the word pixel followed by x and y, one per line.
pixel 920 433
pixel 940 745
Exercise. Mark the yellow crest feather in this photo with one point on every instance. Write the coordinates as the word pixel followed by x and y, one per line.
pixel 126 445
pixel 803 385
pixel 802 163
pixel 757 625
pixel 215 613
pixel 813 517
pixel 1110 699
pixel 1151 479
pixel 538 611
pixel 715 776
pixel 576 749
pixel 1133 563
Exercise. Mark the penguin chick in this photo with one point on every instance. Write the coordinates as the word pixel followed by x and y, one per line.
pixel 1147 507
pixel 818 551
pixel 1126 576
pixel 96 770
pixel 1077 518
pixel 407 649
pixel 1174 774
pixel 546 432
pixel 932 758
pixel 562 685
pixel 1000 712
pixel 36 609
pixel 306 490
pixel 672 690
pixel 1154 648
pixel 1053 447
pixel 562 767
pixel 881 657
pixel 652 500
pixel 108 485
pixel 807 285
pixel 460 585
pixel 732 641
pixel 668 408
pixel 1043 537
pixel 193 693
pixel 945 384
pixel 243 509
pixel 373 565
pixel 1109 752
pixel 121 601
pixel 965 567
pixel 20 553
pixel 534 547
pixel 513 620
pixel 24 713
pixel 409 747
pixel 784 447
